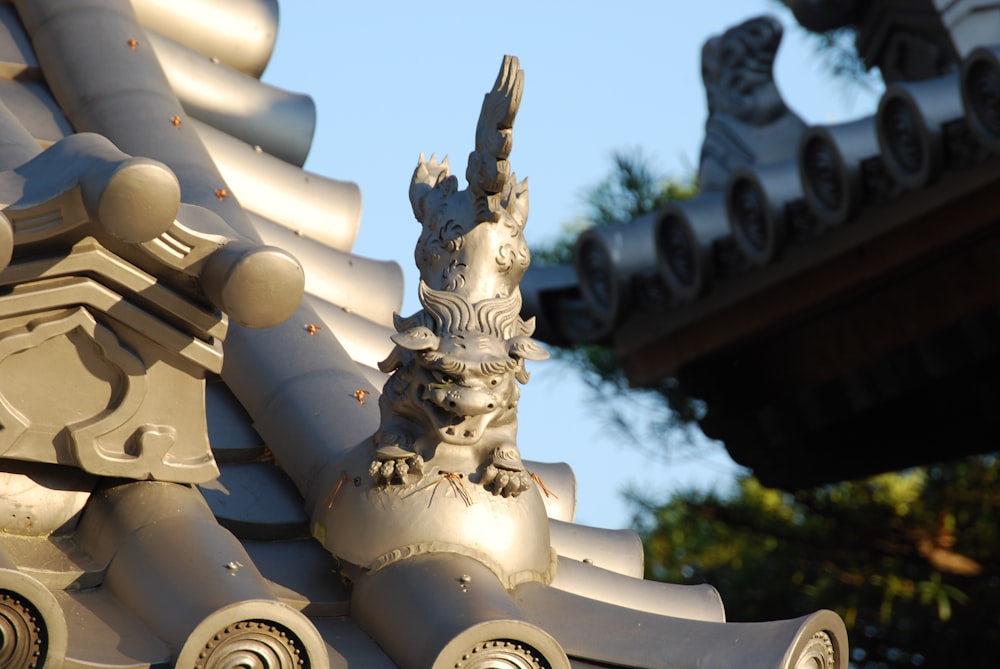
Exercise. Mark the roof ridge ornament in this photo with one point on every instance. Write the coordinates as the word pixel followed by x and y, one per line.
pixel 456 361
pixel 748 121
pixel 439 490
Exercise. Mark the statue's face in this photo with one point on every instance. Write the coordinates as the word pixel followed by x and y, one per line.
pixel 467 385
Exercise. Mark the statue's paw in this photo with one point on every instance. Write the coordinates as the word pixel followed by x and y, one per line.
pixel 393 451
pixel 507 457
pixel 392 440
pixel 505 482
pixel 394 470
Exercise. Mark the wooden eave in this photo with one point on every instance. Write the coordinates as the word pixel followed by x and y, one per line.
pixel 909 252
pixel 874 347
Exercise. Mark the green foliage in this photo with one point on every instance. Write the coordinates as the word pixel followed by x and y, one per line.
pixel 839 56
pixel 910 560
pixel 631 190
pixel 837 53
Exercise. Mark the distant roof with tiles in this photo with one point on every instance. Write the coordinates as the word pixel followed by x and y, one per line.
pixel 830 293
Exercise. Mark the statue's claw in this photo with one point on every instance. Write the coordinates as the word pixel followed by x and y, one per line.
pixel 507 457
pixel 393 464
pixel 393 452
pixel 505 482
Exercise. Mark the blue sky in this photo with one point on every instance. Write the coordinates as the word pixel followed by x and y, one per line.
pixel 394 79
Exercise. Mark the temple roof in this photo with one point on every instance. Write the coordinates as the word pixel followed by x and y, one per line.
pixel 168 253
pixel 820 296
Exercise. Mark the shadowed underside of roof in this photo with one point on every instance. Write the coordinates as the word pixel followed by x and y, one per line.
pixel 828 282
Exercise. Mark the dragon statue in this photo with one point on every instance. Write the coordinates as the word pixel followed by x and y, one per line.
pixel 457 362
pixel 435 521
